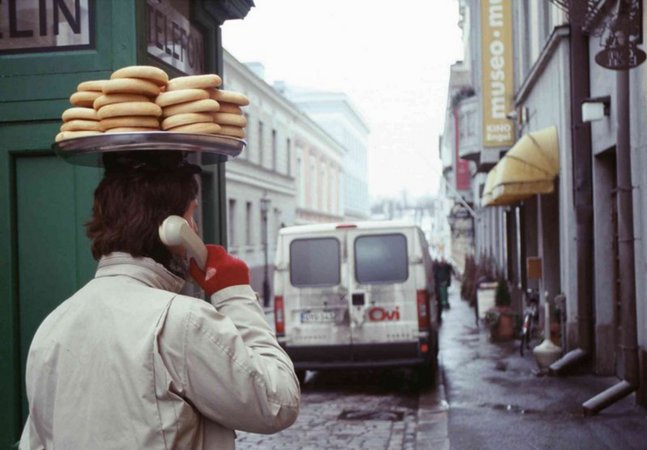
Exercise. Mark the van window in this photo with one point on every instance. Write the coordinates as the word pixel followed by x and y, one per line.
pixel 314 262
pixel 381 258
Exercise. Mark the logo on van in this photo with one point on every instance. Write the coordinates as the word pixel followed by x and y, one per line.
pixel 380 314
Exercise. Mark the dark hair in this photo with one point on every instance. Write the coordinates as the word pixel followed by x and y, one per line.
pixel 131 202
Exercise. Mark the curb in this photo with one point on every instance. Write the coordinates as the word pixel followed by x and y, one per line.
pixel 433 416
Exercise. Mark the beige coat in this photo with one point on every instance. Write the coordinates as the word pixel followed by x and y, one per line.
pixel 127 363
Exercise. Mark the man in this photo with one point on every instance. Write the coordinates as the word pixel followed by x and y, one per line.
pixel 127 362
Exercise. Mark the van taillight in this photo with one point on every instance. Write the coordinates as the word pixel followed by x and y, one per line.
pixel 279 315
pixel 422 299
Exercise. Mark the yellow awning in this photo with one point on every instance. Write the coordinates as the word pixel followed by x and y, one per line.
pixel 528 168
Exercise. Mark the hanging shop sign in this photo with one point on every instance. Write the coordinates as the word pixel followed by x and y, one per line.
pixel 37 25
pixel 173 40
pixel 496 69
pixel 621 32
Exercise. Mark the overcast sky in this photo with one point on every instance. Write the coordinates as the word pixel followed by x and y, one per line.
pixel 391 58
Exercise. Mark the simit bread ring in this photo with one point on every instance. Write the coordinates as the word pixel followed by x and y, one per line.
pixel 79 113
pixel 92 85
pixel 130 121
pixel 177 120
pixel 129 109
pixel 152 73
pixel 229 97
pixel 131 130
pixel 109 99
pixel 131 86
pixel 206 105
pixel 230 108
pixel 84 98
pixel 181 96
pixel 207 128
pixel 74 134
pixel 229 119
pixel 194 81
pixel 81 125
pixel 229 130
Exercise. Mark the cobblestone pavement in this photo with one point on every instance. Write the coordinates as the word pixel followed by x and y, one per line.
pixel 362 410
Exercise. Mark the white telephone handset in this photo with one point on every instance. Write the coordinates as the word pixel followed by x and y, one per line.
pixel 175 230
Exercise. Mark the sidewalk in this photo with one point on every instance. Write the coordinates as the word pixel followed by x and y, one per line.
pixel 497 401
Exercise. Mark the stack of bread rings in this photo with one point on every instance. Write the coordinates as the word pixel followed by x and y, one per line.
pixel 187 106
pixel 142 99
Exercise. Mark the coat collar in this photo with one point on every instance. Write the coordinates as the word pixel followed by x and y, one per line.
pixel 145 270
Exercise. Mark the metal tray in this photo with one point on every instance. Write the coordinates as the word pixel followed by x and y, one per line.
pixel 89 150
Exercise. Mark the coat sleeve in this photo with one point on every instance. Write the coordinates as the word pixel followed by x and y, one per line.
pixel 230 365
pixel 30 439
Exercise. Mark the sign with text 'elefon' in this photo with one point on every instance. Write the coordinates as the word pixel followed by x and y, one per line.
pixel 173 40
pixel 36 25
pixel 496 71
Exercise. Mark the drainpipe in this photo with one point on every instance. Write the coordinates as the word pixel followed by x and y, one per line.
pixel 582 193
pixel 627 274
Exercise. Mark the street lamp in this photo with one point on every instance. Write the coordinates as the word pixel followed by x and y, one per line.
pixel 265 204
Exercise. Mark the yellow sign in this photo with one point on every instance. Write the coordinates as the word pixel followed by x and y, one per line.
pixel 497 75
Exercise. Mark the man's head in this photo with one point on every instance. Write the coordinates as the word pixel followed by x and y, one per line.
pixel 130 203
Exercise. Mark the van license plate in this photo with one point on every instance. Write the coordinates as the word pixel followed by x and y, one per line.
pixel 318 316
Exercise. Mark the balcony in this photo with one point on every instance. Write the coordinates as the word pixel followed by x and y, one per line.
pixel 468 116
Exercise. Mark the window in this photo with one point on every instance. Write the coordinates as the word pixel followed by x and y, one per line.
pixel 381 259
pixel 288 148
pixel 260 142
pixel 274 150
pixel 314 262
pixel 231 223
pixel 248 223
pixel 244 154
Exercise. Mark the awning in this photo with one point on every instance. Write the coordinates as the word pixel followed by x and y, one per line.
pixel 528 168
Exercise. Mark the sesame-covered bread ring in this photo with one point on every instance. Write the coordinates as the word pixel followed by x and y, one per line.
pixel 229 97
pixel 131 130
pixel 206 105
pixel 229 119
pixel 230 130
pixel 131 86
pixel 109 99
pixel 194 82
pixel 178 120
pixel 169 98
pixel 130 121
pixel 230 108
pixel 129 109
pixel 74 134
pixel 81 125
pixel 84 98
pixel 207 128
pixel 152 73
pixel 78 112
pixel 91 85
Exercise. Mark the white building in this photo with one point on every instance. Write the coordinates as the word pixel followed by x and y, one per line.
pixel 288 174
pixel 336 114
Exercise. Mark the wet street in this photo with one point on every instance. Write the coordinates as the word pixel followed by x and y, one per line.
pixel 495 400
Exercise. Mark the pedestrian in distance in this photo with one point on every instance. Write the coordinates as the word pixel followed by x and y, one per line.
pixel 128 362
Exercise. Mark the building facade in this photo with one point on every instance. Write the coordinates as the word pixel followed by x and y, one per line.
pixel 288 174
pixel 559 171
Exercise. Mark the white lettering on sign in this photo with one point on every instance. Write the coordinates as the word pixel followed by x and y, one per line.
pixel 380 314
pixel 36 25
pixel 173 40
pixel 496 49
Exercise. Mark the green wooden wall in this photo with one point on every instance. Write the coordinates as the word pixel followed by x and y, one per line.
pixel 44 202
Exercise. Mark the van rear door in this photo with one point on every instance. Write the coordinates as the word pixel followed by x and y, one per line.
pixel 383 293
pixel 316 305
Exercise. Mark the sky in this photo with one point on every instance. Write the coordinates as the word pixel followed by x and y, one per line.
pixel 392 58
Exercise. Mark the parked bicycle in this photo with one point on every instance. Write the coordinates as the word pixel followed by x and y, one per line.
pixel 530 324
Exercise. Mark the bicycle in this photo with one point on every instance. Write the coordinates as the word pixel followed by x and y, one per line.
pixel 530 322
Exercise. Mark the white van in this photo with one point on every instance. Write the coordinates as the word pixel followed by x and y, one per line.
pixel 355 295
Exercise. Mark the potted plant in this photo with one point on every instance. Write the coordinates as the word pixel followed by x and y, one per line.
pixel 500 318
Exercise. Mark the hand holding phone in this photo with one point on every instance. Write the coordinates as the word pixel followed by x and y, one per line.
pixel 176 231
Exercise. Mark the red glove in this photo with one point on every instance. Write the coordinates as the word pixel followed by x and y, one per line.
pixel 221 270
